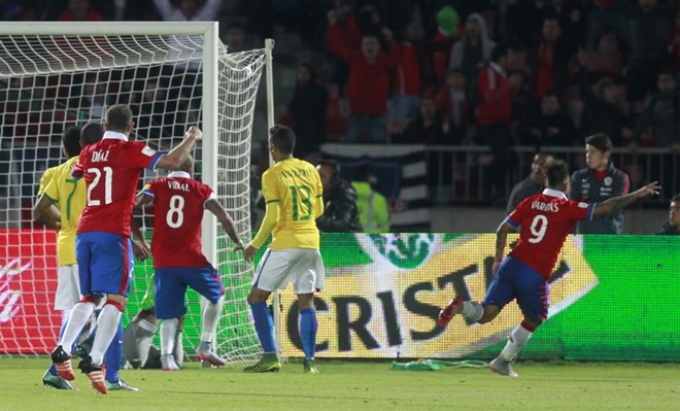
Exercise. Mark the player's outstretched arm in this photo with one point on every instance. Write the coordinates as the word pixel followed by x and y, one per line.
pixel 45 212
pixel 174 159
pixel 223 217
pixel 271 216
pixel 501 241
pixel 616 204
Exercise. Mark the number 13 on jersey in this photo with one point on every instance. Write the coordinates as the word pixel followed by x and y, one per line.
pixel 301 200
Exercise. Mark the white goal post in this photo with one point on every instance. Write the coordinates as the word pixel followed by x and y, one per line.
pixel 174 74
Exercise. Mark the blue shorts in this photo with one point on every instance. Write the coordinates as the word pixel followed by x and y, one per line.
pixel 171 287
pixel 105 263
pixel 516 280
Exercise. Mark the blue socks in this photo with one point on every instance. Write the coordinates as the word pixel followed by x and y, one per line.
pixel 308 328
pixel 263 326
pixel 114 355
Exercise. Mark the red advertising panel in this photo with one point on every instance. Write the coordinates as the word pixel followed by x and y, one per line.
pixel 28 280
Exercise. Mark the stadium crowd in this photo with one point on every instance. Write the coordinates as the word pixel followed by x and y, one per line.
pixel 533 73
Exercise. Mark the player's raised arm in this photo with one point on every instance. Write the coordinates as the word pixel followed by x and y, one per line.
pixel 616 204
pixel 228 226
pixel 174 159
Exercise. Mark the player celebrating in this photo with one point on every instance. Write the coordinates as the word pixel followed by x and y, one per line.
pixel 178 261
pixel 111 169
pixel 545 219
pixel 293 192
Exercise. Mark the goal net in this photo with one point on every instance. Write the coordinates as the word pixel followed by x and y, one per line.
pixel 172 76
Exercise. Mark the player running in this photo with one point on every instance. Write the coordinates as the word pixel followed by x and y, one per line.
pixel 545 219
pixel 293 192
pixel 178 261
pixel 111 168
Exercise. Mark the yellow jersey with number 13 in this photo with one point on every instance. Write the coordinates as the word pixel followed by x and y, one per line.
pixel 70 197
pixel 295 184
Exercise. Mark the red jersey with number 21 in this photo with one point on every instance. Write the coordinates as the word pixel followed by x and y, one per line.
pixel 545 219
pixel 111 168
pixel 179 201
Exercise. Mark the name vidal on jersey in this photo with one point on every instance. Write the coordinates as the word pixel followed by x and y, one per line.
pixel 541 206
pixel 100 156
pixel 174 185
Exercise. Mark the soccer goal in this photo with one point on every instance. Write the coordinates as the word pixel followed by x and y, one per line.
pixel 56 75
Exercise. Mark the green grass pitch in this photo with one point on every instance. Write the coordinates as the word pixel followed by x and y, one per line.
pixel 358 386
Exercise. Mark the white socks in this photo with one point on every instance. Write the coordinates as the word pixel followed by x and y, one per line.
pixel 472 310
pixel 80 315
pixel 211 314
pixel 107 327
pixel 168 334
pixel 518 337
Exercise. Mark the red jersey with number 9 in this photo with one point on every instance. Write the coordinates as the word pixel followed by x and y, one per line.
pixel 111 168
pixel 179 201
pixel 545 219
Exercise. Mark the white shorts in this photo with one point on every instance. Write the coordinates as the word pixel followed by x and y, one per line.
pixel 68 288
pixel 302 265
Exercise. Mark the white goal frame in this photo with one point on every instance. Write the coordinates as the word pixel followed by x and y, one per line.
pixel 209 31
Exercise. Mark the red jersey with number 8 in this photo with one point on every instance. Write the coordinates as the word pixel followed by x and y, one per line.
pixel 179 201
pixel 545 219
pixel 111 168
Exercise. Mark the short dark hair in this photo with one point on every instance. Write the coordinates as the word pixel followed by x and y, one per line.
pixel 119 117
pixel 71 141
pixel 330 163
pixel 91 133
pixel 557 172
pixel 499 51
pixel 601 142
pixel 283 138
pixel 675 198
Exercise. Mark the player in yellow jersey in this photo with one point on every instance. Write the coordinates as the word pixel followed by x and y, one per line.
pixel 60 205
pixel 294 195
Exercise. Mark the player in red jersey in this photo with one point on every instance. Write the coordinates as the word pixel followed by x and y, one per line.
pixel 111 168
pixel 178 260
pixel 545 220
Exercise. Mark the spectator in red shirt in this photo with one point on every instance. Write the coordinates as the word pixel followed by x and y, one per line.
pixel 549 60
pixel 80 10
pixel 368 87
pixel 494 114
pixel 403 106
pixel 447 31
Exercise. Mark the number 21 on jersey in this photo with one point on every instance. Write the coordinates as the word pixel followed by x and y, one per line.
pixel 108 184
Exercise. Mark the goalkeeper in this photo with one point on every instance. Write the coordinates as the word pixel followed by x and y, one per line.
pixel 138 348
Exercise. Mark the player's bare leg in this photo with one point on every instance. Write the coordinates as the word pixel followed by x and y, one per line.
pixel 80 315
pixel 516 341
pixel 263 326
pixel 308 328
pixel 206 349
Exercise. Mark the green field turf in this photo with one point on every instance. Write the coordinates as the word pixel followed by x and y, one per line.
pixel 358 386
